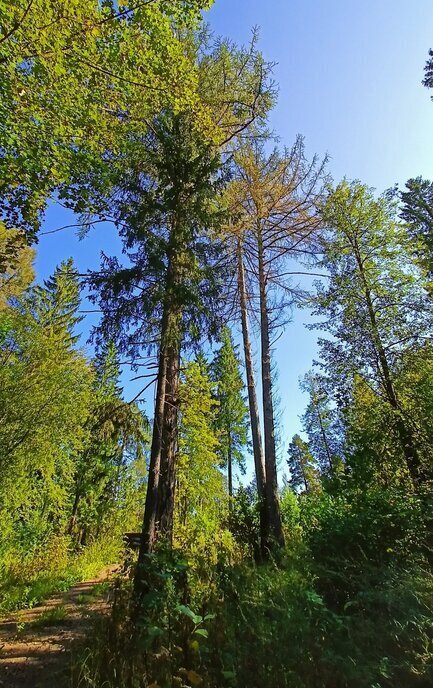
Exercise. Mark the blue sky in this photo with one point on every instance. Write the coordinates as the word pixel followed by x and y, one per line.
pixel 350 81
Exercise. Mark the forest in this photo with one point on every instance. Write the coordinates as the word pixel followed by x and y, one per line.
pixel 257 564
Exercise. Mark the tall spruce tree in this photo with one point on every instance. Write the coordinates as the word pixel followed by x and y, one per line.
pixel 45 393
pixel 201 497
pixel 417 212
pixel 231 417
pixel 167 295
pixel 302 466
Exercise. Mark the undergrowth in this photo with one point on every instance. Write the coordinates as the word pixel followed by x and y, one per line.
pixel 331 612
pixel 25 581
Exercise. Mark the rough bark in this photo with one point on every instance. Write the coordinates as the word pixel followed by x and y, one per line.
pixel 159 506
pixel 259 460
pixel 274 516
pixel 167 482
pixel 151 504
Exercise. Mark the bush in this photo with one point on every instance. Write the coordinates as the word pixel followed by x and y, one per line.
pixel 52 567
pixel 348 604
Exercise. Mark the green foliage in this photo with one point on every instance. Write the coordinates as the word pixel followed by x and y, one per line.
pixel 232 413
pixel 51 617
pixel 169 638
pixel 74 74
pixel 376 310
pixel 245 521
pixel 59 414
pixel 201 499
pixel 366 254
pixel 16 265
pixel 323 425
pixel 28 578
pixel 290 511
pixel 303 469
pixel 125 112
pixel 313 620
pixel 167 216
pixel 417 211
pixel 45 392
pixel 107 477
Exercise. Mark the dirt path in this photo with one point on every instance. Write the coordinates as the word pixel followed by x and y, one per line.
pixel 35 644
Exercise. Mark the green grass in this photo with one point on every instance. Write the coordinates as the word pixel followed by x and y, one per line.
pixel 51 617
pixel 101 589
pixel 26 595
pixel 85 598
pixel 98 590
pixel 26 587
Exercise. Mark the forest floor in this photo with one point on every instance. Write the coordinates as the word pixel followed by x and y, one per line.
pixel 36 645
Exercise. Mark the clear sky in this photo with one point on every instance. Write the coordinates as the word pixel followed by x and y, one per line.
pixel 350 81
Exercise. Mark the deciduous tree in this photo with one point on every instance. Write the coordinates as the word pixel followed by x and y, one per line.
pixel 374 302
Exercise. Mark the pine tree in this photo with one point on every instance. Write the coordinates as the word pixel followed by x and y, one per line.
pixel 113 428
pixel 417 212
pixel 302 466
pixel 322 424
pixel 45 391
pixel 201 498
pixel 231 418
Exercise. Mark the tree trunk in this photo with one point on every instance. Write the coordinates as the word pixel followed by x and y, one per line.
pixel 73 519
pixel 167 483
pixel 230 467
pixel 259 461
pixel 159 506
pixel 302 467
pixel 406 439
pixel 325 439
pixel 274 515
pixel 151 505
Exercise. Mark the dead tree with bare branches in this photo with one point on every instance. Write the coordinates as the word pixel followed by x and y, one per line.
pixel 273 201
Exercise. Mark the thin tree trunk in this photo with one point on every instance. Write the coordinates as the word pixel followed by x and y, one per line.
pixel 301 465
pixel 230 467
pixel 73 518
pixel 276 528
pixel 325 439
pixel 259 461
